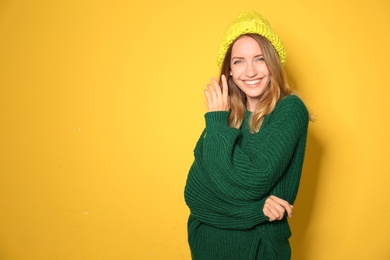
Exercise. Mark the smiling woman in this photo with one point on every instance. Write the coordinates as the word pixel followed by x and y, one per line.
pixel 101 103
pixel 248 160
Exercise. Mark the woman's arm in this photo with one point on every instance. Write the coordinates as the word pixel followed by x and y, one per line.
pixel 258 166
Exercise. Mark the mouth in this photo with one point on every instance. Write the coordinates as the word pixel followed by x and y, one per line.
pixel 252 82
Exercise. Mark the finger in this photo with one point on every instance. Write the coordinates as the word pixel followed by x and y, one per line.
pixel 225 92
pixel 208 98
pixel 283 203
pixel 224 88
pixel 217 89
pixel 289 211
pixel 269 214
pixel 281 206
pixel 212 92
pixel 275 209
pixel 279 200
pixel 216 84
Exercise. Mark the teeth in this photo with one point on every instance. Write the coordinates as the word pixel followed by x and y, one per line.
pixel 252 82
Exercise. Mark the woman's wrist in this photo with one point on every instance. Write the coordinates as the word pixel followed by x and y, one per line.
pixel 216 120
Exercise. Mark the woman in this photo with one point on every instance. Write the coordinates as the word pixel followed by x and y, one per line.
pixel 248 160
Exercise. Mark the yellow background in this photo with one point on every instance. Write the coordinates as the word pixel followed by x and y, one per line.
pixel 101 103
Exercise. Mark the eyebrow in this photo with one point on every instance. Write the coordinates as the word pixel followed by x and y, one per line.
pixel 236 57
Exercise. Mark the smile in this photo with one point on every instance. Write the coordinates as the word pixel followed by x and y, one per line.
pixel 252 82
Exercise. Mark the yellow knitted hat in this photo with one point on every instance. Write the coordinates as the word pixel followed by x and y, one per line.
pixel 249 22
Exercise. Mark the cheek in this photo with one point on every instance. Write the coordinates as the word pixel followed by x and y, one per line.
pixel 234 77
pixel 235 73
pixel 265 70
pixel 236 81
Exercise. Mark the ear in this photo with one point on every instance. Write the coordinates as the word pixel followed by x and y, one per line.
pixel 231 73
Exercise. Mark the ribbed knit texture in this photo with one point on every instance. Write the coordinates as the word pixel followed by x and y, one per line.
pixel 249 22
pixel 234 172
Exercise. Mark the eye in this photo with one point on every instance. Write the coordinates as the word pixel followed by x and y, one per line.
pixel 260 59
pixel 237 61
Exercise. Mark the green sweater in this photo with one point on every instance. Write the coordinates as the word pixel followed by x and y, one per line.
pixel 234 172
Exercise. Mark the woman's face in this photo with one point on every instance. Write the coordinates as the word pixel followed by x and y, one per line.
pixel 248 69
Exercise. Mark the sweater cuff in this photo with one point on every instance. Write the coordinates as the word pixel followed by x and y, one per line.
pixel 216 121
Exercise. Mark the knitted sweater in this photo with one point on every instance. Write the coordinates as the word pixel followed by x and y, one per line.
pixel 234 172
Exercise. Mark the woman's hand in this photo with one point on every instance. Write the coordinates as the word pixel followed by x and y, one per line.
pixel 275 208
pixel 217 97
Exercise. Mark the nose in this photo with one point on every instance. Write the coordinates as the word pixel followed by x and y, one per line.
pixel 251 70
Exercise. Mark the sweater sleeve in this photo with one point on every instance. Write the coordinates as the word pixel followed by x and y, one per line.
pixel 287 187
pixel 259 167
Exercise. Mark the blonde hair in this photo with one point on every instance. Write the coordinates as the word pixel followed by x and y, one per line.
pixel 278 87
